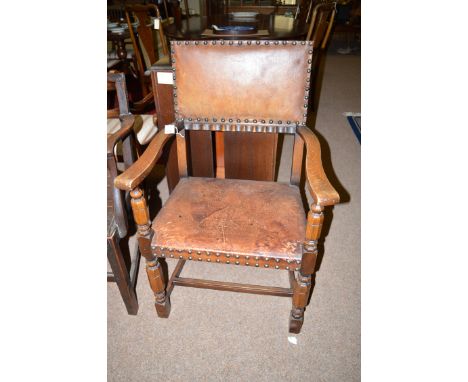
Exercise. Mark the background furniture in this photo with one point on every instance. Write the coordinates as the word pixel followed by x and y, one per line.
pixel 145 46
pixel 238 222
pixel 279 27
pixel 321 24
pixel 123 274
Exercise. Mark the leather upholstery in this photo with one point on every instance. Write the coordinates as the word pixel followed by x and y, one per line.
pixel 238 82
pixel 232 216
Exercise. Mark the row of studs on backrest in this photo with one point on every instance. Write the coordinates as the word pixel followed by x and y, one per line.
pixel 291 129
pixel 232 121
pixel 240 42
pixel 227 258
pixel 248 42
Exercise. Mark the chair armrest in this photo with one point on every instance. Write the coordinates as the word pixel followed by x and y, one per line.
pixel 126 128
pixel 138 171
pixel 322 191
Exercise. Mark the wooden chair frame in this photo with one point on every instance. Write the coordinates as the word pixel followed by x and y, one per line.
pixel 321 190
pixel 118 226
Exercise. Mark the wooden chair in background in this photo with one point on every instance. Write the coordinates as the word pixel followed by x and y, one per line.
pixel 321 24
pixel 124 273
pixel 230 221
pixel 303 11
pixel 145 46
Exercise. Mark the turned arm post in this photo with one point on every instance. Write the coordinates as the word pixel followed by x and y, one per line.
pixel 153 267
pixel 304 280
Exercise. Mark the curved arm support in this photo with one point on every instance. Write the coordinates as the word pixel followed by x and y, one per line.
pixel 126 128
pixel 322 191
pixel 138 171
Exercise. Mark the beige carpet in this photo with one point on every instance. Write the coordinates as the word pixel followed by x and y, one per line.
pixel 225 336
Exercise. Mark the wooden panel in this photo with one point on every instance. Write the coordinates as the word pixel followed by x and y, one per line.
pixel 201 153
pixel 250 156
pixel 182 155
pixel 298 154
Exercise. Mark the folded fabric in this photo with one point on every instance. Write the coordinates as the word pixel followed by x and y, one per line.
pixel 144 127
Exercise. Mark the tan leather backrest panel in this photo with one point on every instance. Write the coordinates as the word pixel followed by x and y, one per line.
pixel 254 82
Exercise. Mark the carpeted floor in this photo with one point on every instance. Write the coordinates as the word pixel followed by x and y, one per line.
pixel 225 336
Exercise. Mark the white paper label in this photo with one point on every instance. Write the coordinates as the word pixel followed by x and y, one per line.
pixel 156 23
pixel 165 78
pixel 169 129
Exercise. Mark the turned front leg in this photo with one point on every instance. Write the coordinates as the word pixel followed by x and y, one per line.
pixel 153 267
pixel 303 283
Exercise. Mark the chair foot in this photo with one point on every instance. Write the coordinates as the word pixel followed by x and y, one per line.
pixel 163 307
pixel 132 306
pixel 296 319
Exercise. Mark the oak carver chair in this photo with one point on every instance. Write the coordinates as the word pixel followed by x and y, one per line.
pixel 117 218
pixel 259 87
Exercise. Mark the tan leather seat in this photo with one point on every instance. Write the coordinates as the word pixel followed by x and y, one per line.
pixel 229 219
